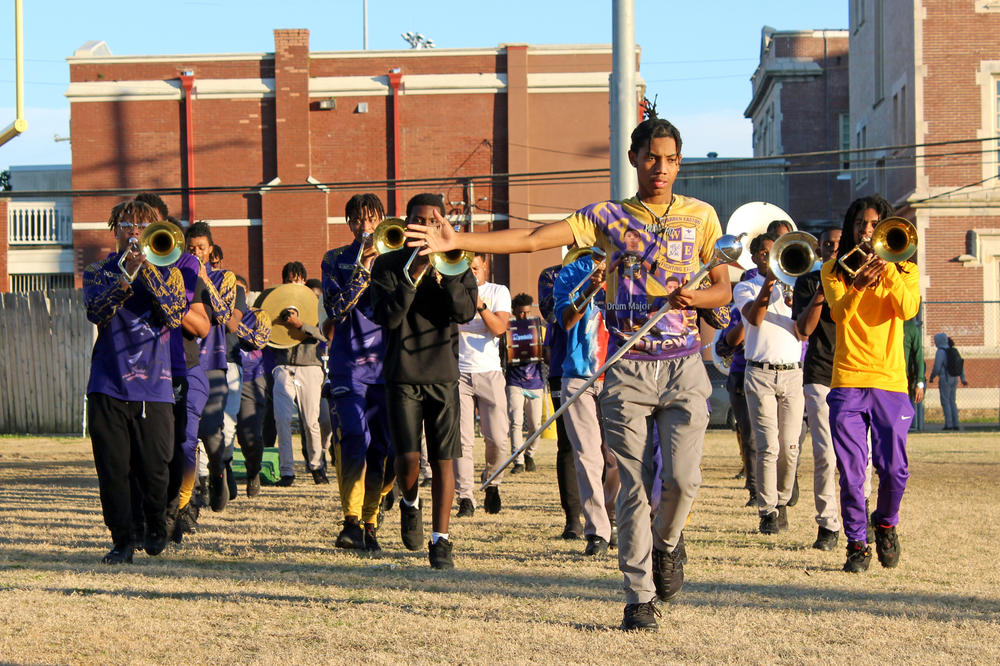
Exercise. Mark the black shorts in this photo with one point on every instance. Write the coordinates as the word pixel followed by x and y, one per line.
pixel 431 406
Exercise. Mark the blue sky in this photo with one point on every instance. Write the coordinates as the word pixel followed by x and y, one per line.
pixel 697 59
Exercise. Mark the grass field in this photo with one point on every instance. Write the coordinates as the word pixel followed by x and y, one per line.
pixel 261 582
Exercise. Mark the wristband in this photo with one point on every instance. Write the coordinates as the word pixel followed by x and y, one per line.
pixel 481 308
pixel 920 385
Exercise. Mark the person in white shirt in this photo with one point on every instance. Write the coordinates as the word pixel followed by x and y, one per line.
pixel 773 385
pixel 481 383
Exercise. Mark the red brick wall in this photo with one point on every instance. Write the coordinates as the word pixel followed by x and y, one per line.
pixel 956 39
pixel 943 242
pixel 243 143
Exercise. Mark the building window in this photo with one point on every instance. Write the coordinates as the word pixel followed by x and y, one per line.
pixel 878 67
pixel 996 118
pixel 861 158
pixel 859 14
pixel 845 141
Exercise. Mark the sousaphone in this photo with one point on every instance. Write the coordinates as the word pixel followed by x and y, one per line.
pixel 752 219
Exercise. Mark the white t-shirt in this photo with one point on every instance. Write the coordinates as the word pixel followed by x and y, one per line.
pixel 478 348
pixel 774 340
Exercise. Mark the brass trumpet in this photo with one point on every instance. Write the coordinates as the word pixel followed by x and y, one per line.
pixel 389 236
pixel 162 244
pixel 894 240
pixel 597 255
pixel 791 256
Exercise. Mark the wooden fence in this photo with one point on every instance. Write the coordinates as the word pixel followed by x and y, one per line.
pixel 46 343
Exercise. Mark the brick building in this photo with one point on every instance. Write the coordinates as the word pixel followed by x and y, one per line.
pixel 268 147
pixel 800 105
pixel 925 114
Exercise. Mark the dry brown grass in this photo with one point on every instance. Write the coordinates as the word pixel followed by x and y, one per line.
pixel 261 583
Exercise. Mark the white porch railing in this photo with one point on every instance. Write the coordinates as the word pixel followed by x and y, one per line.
pixel 39 223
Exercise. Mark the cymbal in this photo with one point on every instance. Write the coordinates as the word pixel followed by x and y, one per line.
pixel 285 296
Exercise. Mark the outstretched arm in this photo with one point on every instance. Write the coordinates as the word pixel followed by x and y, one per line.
pixel 442 238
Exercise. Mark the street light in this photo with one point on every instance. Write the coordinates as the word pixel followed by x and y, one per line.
pixel 417 41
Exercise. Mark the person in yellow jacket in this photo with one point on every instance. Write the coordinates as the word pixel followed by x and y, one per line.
pixel 869 388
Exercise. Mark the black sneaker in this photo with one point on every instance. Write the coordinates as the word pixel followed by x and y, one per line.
pixel 465 508
pixel 794 499
pixel 285 481
pixel 782 519
pixel 825 539
pixel 769 523
pixel 529 464
pixel 517 468
pixel 371 542
pixel 201 491
pixel 218 490
pixel 859 555
pixel 492 502
pixel 427 482
pixel 253 486
pixel 138 536
pixel 596 546
pixel 411 526
pixel 351 537
pixel 319 477
pixel 440 554
pixel 571 531
pixel 887 546
pixel 156 539
pixel 186 523
pixel 641 617
pixel 668 573
pixel 120 554
pixel 752 500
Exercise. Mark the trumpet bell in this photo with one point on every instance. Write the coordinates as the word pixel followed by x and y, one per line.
pixel 793 255
pixel 894 239
pixel 453 262
pixel 162 243
pixel 389 235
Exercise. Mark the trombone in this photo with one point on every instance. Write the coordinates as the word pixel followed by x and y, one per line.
pixel 161 243
pixel 894 240
pixel 727 250
pixel 389 236
pixel 598 256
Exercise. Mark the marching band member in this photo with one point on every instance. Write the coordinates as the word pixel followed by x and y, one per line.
pixel 364 455
pixel 129 394
pixel 555 344
pixel 773 386
pixel 481 384
pixel 868 392
pixel 663 376
pixel 525 391
pixel 419 314
pixel 586 351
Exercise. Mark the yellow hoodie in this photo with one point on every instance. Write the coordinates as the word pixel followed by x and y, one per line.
pixel 869 322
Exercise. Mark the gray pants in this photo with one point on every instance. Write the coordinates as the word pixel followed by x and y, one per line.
pixel 675 393
pixel 488 390
pixel 776 404
pixel 302 384
pixel 518 407
pixel 825 486
pixel 590 456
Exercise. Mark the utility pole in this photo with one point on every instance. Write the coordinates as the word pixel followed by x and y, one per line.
pixel 366 24
pixel 623 102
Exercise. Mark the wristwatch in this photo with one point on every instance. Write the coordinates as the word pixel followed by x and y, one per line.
pixel 920 385
pixel 481 308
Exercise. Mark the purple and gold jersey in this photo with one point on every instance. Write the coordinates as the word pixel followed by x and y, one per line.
pixel 131 357
pixel 648 258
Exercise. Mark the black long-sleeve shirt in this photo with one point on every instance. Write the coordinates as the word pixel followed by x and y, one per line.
pixel 420 324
